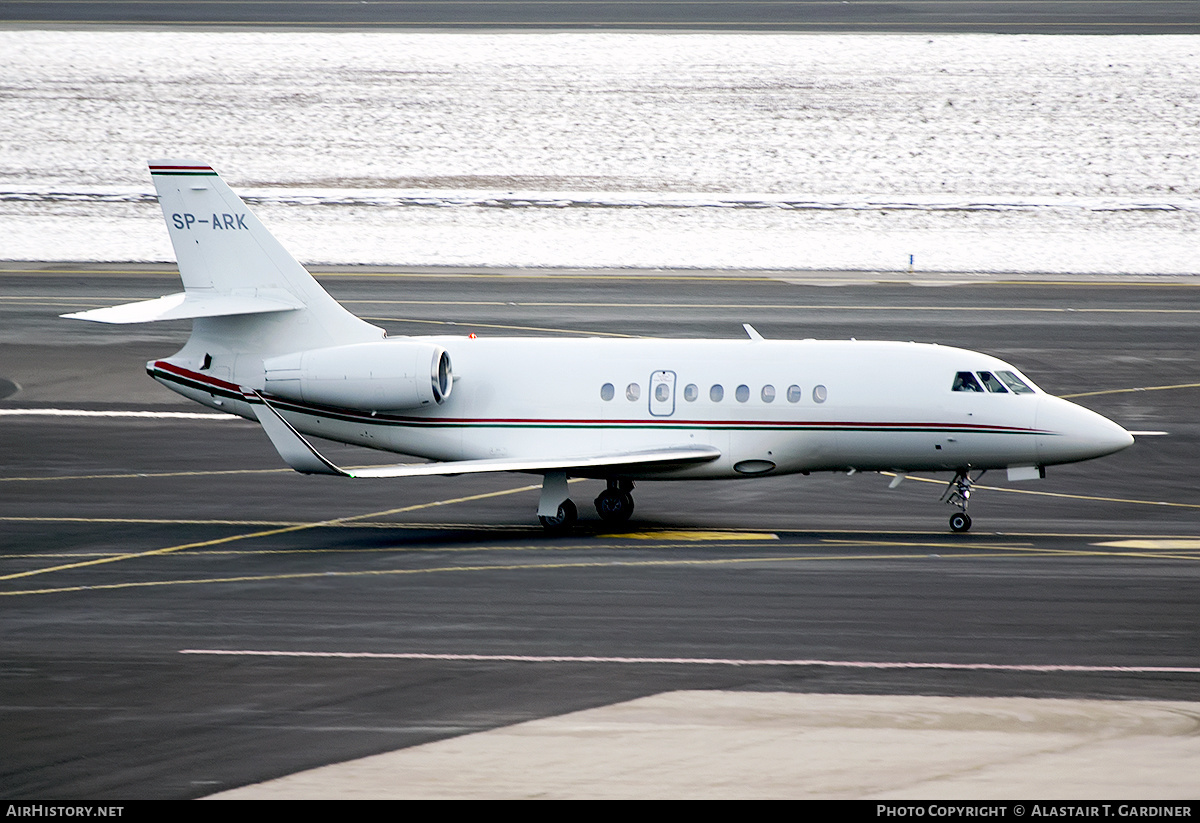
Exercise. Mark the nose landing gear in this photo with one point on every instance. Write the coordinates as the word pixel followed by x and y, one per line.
pixel 958 493
pixel 960 522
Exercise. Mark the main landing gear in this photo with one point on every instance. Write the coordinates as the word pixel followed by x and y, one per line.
pixel 557 512
pixel 615 504
pixel 562 520
pixel 958 493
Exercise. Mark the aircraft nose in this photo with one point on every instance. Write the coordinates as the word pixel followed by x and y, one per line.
pixel 1071 433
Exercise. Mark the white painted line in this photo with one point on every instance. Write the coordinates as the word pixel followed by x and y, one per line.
pixel 89 413
pixel 702 661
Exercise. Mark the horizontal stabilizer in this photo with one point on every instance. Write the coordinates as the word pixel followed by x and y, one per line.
pixel 298 453
pixel 188 305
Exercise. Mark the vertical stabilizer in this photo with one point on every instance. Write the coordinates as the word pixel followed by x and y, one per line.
pixel 223 250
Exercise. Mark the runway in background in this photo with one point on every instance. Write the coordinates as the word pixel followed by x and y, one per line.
pixel 1020 17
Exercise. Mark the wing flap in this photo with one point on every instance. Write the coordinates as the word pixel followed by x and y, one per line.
pixel 298 453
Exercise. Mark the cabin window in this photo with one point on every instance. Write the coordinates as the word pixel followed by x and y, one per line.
pixel 716 393
pixel 633 391
pixel 991 383
pixel 608 391
pixel 1015 383
pixel 820 393
pixel 690 392
pixel 662 392
pixel 768 393
pixel 965 381
pixel 742 393
pixel 794 394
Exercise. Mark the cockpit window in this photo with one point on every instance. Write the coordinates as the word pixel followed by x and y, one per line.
pixel 965 381
pixel 1002 382
pixel 1015 383
pixel 992 384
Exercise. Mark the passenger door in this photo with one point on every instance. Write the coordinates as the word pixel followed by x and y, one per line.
pixel 662 393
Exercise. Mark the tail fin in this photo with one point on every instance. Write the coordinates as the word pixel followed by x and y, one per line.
pixel 247 294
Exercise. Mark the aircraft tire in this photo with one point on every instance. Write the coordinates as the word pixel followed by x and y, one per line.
pixel 960 522
pixel 614 506
pixel 564 520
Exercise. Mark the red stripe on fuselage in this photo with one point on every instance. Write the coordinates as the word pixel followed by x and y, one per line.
pixel 199 378
pixel 542 421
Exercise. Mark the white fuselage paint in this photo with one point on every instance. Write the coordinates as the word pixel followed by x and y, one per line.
pixel 887 406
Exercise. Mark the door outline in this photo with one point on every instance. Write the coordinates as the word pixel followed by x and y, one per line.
pixel 660 407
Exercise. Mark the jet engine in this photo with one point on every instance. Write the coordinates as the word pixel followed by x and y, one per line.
pixel 381 376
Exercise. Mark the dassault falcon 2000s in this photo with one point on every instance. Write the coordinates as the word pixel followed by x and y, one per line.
pixel 269 344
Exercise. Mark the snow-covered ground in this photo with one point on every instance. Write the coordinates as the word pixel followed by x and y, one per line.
pixel 969 152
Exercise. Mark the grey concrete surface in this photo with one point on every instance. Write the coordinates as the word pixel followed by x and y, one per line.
pixel 746 745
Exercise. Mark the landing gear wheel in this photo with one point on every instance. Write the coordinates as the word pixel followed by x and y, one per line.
pixel 564 520
pixel 958 493
pixel 614 505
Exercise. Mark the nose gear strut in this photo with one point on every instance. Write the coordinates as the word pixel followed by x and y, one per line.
pixel 958 493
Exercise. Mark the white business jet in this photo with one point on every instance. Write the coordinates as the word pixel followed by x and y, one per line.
pixel 269 344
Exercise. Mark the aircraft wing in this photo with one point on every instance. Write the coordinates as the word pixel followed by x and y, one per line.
pixel 298 453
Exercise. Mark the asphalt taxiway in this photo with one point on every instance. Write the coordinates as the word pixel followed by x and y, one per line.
pixel 148 562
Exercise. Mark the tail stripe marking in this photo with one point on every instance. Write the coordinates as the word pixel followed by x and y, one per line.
pixel 185 171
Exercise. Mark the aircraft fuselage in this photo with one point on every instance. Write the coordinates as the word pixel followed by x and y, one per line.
pixel 769 407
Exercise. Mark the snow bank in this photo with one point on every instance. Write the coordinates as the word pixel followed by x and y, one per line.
pixel 970 152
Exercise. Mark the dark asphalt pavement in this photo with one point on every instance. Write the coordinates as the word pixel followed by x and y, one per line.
pixel 209 544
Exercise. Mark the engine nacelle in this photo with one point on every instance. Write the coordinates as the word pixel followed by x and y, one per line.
pixel 381 376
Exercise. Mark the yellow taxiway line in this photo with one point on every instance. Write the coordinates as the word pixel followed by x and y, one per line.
pixel 265 533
